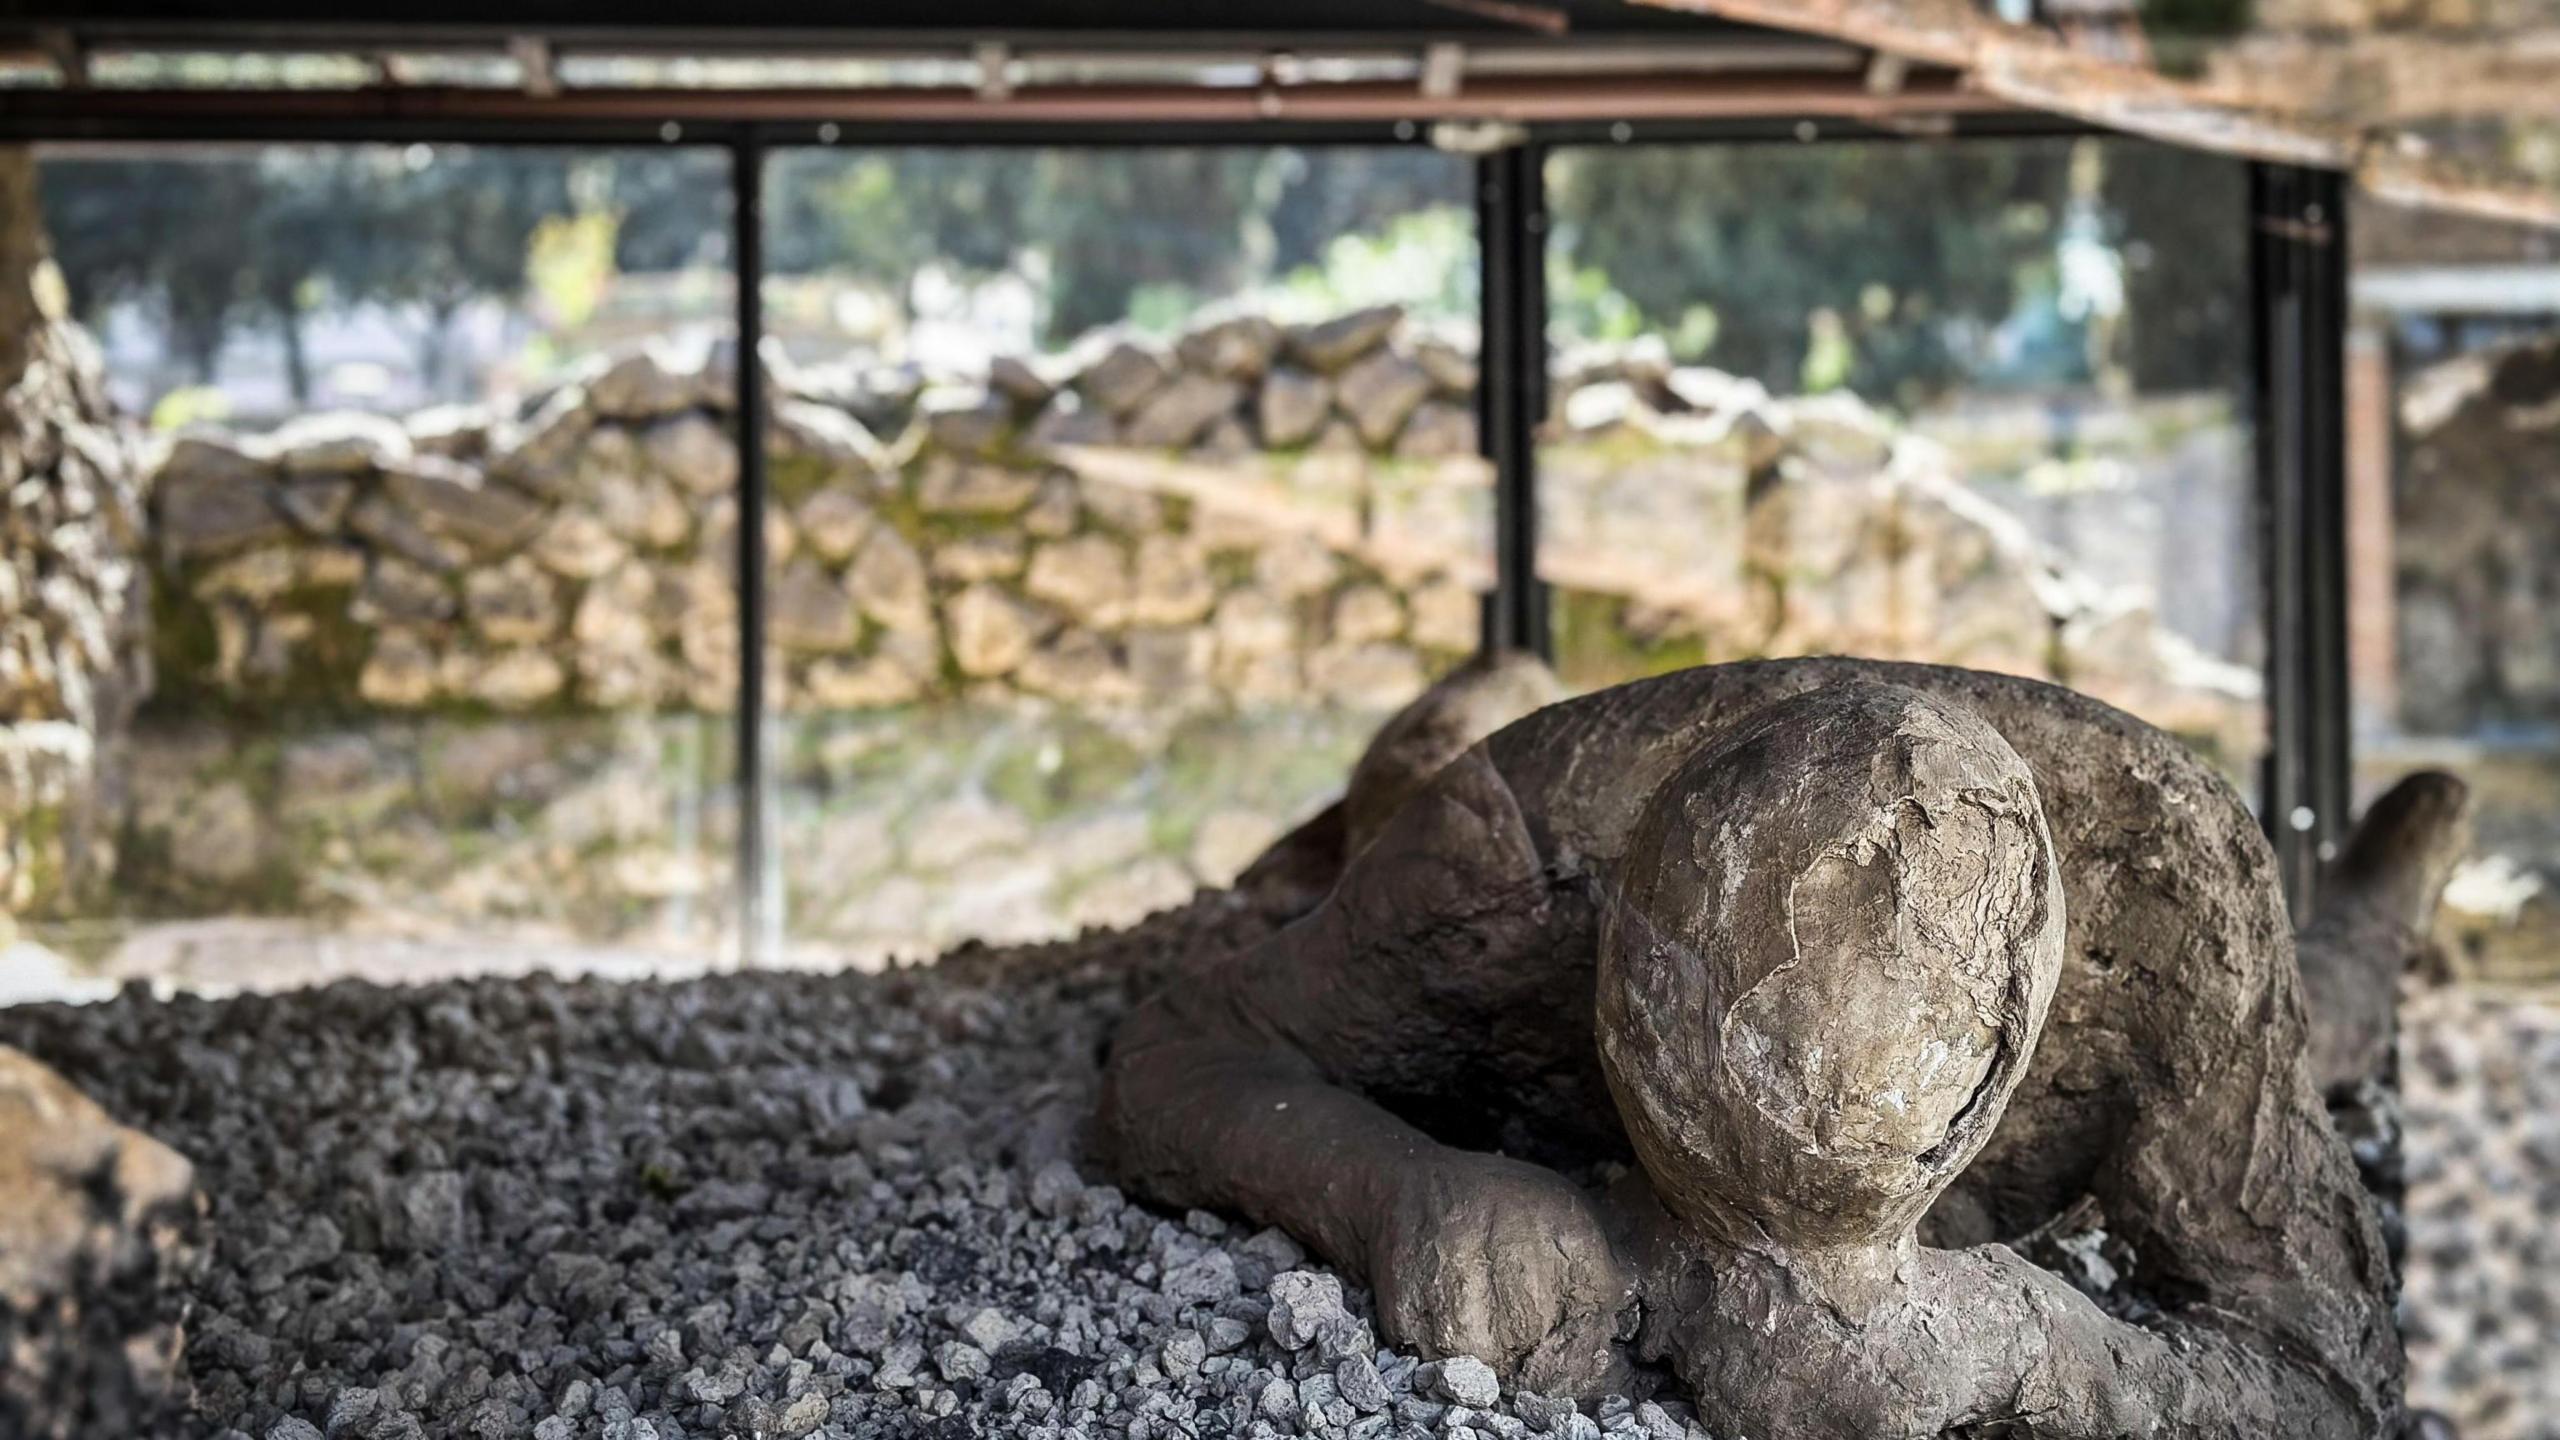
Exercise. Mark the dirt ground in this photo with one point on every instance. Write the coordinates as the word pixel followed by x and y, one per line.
pixel 2480 1069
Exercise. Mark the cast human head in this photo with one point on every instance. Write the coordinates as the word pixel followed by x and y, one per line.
pixel 1825 962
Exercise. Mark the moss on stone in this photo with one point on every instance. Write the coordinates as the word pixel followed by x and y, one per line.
pixel 790 479
pixel 184 653
pixel 38 841
pixel 1092 765
pixel 1599 648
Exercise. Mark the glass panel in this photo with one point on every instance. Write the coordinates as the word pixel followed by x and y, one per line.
pixel 2455 618
pixel 1976 404
pixel 2454 648
pixel 440 640
pixel 1118 495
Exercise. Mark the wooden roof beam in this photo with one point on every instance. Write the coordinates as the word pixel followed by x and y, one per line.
pixel 1543 19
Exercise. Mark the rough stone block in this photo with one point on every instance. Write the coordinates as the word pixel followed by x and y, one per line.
pixel 1330 345
pixel 455 500
pixel 343 442
pixel 1239 347
pixel 1088 576
pixel 809 611
pixel 694 451
pixel 213 509
pixel 1379 394
pixel 887 579
pixel 1122 378
pixel 1292 407
pixel 950 486
pixel 991 633
pixel 1177 414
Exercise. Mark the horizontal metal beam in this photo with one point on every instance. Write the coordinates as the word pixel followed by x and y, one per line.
pixel 42 113
pixel 862 31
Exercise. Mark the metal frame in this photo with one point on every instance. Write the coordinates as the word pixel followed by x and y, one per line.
pixel 1511 384
pixel 2298 268
pixel 746 220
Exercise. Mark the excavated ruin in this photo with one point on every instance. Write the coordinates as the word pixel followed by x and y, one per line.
pixel 846 1205
pixel 1886 978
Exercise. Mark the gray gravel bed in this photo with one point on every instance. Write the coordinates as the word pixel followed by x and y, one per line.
pixel 2481 1072
pixel 748 1205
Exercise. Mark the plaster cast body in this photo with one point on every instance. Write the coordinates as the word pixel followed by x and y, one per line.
pixel 1788 933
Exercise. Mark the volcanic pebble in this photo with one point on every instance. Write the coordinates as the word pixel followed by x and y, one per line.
pixel 2480 1076
pixel 764 1204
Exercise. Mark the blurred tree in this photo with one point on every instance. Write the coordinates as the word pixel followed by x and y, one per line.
pixel 1908 249
pixel 569 264
pixel 1115 222
pixel 426 230
pixel 882 216
pixel 1325 194
pixel 214 241
pixel 302 213
pixel 671 207
pixel 1902 264
pixel 2181 221
pixel 1917 254
pixel 127 230
pixel 443 227
pixel 1105 225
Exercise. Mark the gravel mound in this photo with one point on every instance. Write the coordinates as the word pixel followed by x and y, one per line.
pixel 748 1205
pixel 2481 1079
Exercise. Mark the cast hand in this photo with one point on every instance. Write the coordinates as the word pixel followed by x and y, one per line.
pixel 1509 1263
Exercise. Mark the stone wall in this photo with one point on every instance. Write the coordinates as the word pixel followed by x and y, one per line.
pixel 1061 647
pixel 2473 532
pixel 2475 535
pixel 582 557
pixel 1690 517
pixel 1050 646
pixel 72 665
pixel 1256 513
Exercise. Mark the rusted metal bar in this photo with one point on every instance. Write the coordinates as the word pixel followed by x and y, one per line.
pixel 1519 100
pixel 1545 19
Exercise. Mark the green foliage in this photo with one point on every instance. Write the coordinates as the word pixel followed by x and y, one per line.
pixel 1897 270
pixel 569 262
pixel 1425 260
pixel 1136 235
pixel 1596 647
pixel 1583 304
pixel 2181 222
pixel 1901 270
pixel 190 405
pixel 1765 238
pixel 216 241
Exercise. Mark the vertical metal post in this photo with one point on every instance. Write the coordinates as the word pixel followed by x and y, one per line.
pixel 2331 711
pixel 746 188
pixel 2297 243
pixel 1511 390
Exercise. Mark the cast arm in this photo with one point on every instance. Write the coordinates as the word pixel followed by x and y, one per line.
pixel 1233 1089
